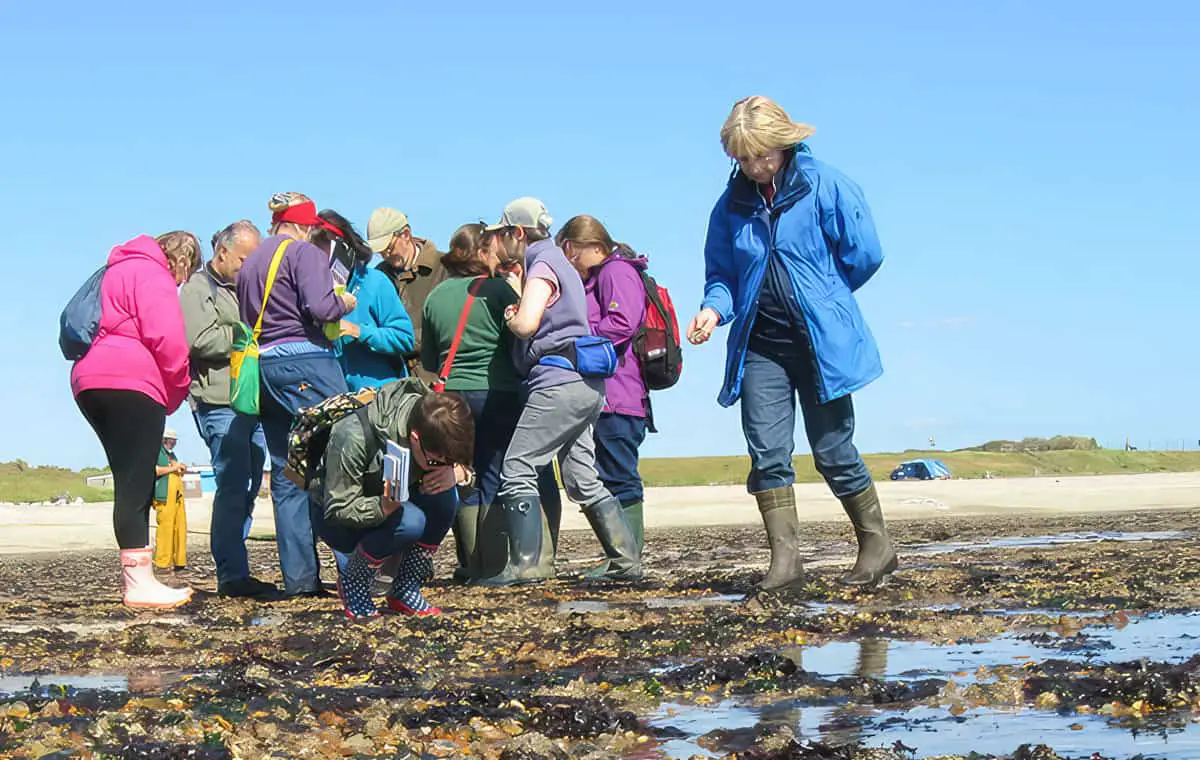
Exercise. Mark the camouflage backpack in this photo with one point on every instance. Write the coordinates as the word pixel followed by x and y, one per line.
pixel 309 435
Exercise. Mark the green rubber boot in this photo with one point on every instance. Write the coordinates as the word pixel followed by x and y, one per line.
pixel 465 530
pixel 876 556
pixel 624 562
pixel 778 509
pixel 511 541
pixel 633 516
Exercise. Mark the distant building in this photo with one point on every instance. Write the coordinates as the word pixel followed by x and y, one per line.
pixel 104 480
pixel 200 479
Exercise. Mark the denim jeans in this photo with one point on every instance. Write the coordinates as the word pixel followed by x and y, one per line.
pixel 289 382
pixel 423 520
pixel 238 450
pixel 618 437
pixel 496 415
pixel 770 388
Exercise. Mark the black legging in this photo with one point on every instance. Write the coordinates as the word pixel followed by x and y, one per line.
pixel 130 427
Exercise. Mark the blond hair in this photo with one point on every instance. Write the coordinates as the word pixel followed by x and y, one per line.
pixel 758 125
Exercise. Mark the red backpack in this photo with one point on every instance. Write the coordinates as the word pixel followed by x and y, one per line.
pixel 656 344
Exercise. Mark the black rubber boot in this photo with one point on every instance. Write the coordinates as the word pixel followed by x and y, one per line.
pixel 624 562
pixel 778 509
pixel 876 557
pixel 465 532
pixel 520 534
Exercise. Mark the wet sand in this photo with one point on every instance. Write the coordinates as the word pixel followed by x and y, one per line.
pixel 1057 625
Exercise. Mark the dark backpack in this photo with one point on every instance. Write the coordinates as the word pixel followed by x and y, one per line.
pixel 309 435
pixel 656 344
pixel 80 320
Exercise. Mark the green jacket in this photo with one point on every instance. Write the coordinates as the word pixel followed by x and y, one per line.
pixel 210 310
pixel 351 485
pixel 161 484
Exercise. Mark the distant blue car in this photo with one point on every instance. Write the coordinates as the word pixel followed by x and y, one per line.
pixel 922 469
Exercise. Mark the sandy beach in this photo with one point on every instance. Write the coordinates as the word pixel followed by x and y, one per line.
pixel 40 528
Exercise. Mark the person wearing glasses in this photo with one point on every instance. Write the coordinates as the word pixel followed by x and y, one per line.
pixel 414 265
pixel 370 521
pixel 789 242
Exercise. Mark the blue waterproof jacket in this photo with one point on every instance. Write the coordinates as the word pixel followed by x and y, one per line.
pixel 822 229
pixel 376 356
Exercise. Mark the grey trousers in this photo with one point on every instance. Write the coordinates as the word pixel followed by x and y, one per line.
pixel 557 423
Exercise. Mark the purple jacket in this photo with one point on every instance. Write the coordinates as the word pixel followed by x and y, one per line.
pixel 302 297
pixel 616 310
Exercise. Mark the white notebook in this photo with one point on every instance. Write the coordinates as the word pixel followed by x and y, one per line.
pixel 396 461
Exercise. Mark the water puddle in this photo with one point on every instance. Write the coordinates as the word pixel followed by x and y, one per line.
pixel 729 727
pixel 54 684
pixel 87 629
pixel 733 726
pixel 1041 542
pixel 581 606
pixel 1160 637
pixel 662 603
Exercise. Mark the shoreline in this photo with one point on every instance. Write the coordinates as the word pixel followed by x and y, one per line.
pixel 37 528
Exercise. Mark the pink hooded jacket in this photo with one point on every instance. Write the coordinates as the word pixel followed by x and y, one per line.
pixel 141 344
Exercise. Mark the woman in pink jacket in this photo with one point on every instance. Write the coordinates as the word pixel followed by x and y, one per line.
pixel 132 377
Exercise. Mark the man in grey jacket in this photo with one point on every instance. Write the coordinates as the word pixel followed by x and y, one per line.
pixel 235 441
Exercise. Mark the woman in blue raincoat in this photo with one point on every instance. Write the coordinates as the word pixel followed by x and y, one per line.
pixel 789 242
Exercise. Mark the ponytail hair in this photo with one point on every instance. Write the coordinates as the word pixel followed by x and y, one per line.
pixel 462 257
pixel 587 230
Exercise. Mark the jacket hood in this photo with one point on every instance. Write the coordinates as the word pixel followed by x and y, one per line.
pixel 141 247
pixel 392 408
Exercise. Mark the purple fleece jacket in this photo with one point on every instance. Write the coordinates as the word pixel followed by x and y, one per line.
pixel 301 299
pixel 616 310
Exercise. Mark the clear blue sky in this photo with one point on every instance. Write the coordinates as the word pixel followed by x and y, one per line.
pixel 1032 167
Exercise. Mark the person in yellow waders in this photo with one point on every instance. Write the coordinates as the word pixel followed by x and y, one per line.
pixel 170 541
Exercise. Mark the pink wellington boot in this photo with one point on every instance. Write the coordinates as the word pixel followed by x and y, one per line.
pixel 142 589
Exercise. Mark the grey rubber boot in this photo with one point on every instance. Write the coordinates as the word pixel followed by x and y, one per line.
pixel 624 562
pixel 778 509
pixel 876 557
pixel 465 532
pixel 516 528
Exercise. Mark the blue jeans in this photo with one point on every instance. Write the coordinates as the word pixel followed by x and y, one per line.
pixel 618 437
pixel 770 387
pixel 423 520
pixel 496 415
pixel 290 382
pixel 238 450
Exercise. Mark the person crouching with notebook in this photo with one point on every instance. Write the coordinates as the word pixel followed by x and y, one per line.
pixel 372 521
